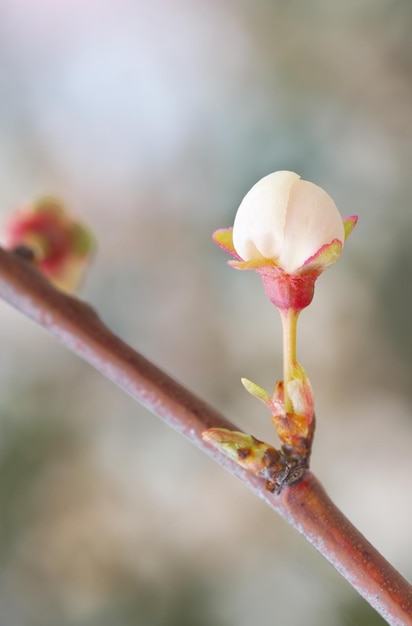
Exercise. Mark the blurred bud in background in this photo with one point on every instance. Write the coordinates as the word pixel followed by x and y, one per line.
pixel 48 235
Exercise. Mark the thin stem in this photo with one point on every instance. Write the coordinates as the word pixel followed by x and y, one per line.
pixel 289 319
pixel 304 505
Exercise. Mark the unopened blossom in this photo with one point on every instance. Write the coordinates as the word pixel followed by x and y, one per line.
pixel 285 219
pixel 289 230
pixel 55 242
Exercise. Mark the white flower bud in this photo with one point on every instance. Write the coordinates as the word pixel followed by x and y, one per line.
pixel 286 220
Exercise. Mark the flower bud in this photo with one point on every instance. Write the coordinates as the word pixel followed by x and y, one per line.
pixel 289 231
pixel 287 220
pixel 47 235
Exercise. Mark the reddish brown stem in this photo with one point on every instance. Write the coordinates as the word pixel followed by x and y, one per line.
pixel 305 505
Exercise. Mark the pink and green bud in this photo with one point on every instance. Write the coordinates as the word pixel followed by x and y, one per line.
pixel 58 245
pixel 301 394
pixel 295 427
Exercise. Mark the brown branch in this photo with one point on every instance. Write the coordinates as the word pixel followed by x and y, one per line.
pixel 305 505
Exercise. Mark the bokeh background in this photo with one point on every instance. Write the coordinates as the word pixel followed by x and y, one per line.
pixel 151 120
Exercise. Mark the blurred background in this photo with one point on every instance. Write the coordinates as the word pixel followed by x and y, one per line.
pixel 151 120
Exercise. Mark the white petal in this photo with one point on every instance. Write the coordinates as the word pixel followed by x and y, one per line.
pixel 259 225
pixel 312 220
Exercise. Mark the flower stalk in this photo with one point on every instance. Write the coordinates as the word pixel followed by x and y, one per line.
pixel 289 318
pixel 289 231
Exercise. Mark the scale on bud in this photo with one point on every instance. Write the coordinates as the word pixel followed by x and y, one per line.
pixel 257 457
